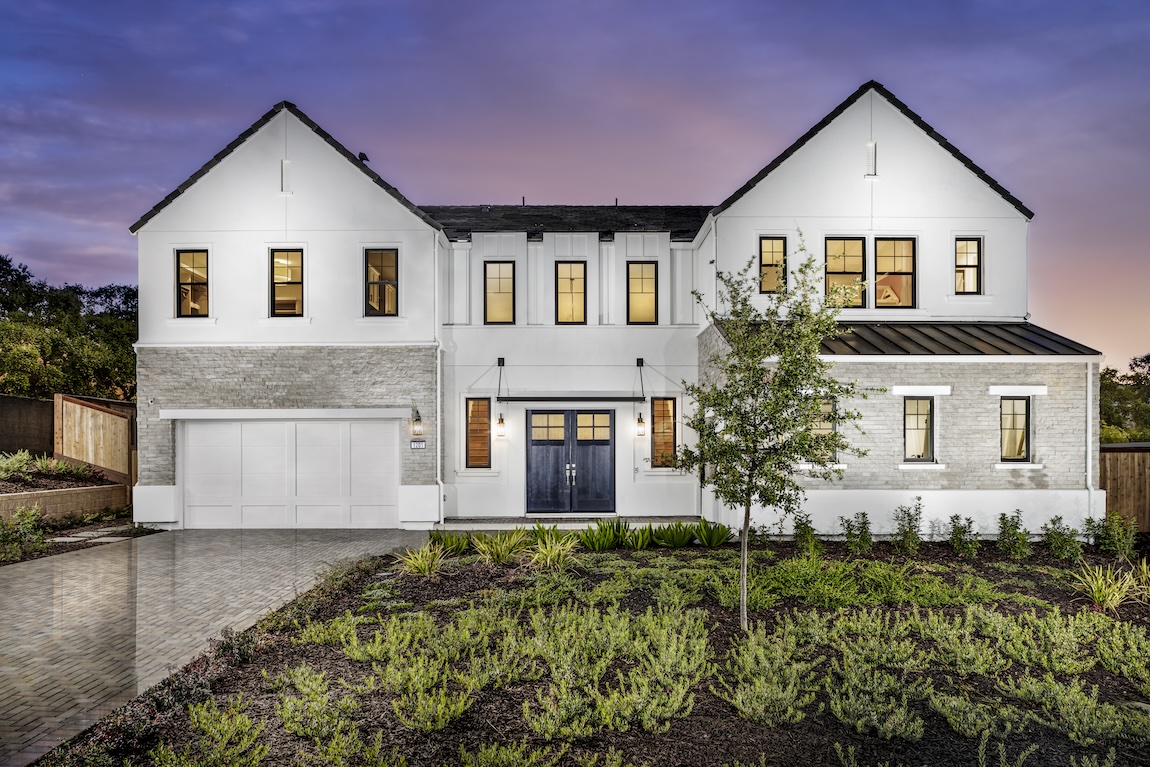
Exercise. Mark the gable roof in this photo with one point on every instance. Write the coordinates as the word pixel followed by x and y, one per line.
pixel 910 115
pixel 459 221
pixel 255 127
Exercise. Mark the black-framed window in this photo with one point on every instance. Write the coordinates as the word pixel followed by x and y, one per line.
pixel 287 283
pixel 918 428
pixel 570 292
pixel 478 433
pixel 1014 414
pixel 894 272
pixel 642 293
pixel 968 266
pixel 191 283
pixel 663 434
pixel 381 282
pixel 826 424
pixel 499 292
pixel 846 265
pixel 772 264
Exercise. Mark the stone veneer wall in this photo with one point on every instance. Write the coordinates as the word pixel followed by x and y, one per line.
pixel 281 377
pixel 967 422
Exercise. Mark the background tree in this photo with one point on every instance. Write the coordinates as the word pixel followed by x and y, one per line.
pixel 760 401
pixel 1124 403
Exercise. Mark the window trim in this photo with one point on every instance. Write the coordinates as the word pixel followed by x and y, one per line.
pixel 1026 424
pixel 655 320
pixel 467 462
pixel 382 283
pixel 272 314
pixel 656 457
pixel 829 407
pixel 862 276
pixel 206 283
pixel 487 321
pixel 978 275
pixel 584 265
pixel 930 414
pixel 782 267
pixel 913 272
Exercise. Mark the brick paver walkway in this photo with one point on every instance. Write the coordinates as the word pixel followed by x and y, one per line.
pixel 84 632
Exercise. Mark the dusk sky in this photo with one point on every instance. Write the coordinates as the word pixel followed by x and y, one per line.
pixel 107 106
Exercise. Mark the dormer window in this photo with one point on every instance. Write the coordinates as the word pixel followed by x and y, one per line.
pixel 894 273
pixel 846 265
pixel 772 264
pixel 287 283
pixel 968 266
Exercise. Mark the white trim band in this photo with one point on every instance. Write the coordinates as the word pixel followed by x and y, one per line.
pixel 1017 391
pixel 284 414
pixel 919 391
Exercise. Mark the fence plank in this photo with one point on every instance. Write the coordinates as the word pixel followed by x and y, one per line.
pixel 1125 476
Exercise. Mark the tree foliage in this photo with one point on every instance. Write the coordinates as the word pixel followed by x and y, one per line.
pixel 759 403
pixel 69 339
pixel 1124 402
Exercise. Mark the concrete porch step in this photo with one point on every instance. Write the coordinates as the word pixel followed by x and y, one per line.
pixel 495 524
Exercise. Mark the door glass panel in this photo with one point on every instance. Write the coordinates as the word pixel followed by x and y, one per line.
pixel 592 426
pixel 546 427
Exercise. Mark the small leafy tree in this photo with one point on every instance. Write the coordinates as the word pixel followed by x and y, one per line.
pixel 760 401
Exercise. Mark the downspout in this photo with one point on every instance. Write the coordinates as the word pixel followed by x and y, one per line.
pixel 438 380
pixel 1088 455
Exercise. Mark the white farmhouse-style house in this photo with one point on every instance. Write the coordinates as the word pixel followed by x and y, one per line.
pixel 317 351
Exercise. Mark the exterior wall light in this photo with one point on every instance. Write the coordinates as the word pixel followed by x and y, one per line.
pixel 500 427
pixel 640 427
pixel 416 424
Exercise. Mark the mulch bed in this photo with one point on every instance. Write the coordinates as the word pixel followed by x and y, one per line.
pixel 35 481
pixel 713 734
pixel 63 548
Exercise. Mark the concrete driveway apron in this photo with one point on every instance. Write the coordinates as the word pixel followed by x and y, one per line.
pixel 82 633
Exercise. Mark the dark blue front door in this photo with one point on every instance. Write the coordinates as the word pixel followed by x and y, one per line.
pixel 570 461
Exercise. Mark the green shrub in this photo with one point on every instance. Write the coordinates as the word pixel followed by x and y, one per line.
pixel 513 755
pixel 452 543
pixel 857 533
pixel 908 524
pixel 425 561
pixel 229 739
pixel 597 538
pixel 806 540
pixel 767 678
pixel 640 538
pixel 712 534
pixel 21 535
pixel 1106 589
pixel 674 536
pixel 1077 712
pixel 1062 540
pixel 502 547
pixel 553 553
pixel 869 698
pixel 1013 538
pixel 962 537
pixel 18 464
pixel 1113 535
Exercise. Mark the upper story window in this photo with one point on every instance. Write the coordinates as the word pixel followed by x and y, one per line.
pixel 642 296
pixel 772 264
pixel 894 273
pixel 570 292
pixel 381 281
pixel 287 283
pixel 968 265
pixel 191 283
pixel 478 433
pixel 499 292
pixel 1015 428
pixel 918 428
pixel 662 432
pixel 846 265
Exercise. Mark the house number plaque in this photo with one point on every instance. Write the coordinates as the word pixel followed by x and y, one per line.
pixel 418 444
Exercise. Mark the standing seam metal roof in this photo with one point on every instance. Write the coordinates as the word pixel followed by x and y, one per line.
pixel 951 338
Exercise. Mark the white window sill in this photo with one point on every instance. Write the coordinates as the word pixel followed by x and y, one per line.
pixel 176 322
pixel 924 466
pixel 810 466
pixel 1020 465
pixel 269 322
pixel 663 472
pixel 461 473
pixel 380 321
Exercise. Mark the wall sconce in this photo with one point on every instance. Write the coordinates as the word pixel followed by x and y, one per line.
pixel 640 427
pixel 500 427
pixel 416 423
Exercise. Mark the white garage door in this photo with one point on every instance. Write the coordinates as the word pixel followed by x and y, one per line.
pixel 283 474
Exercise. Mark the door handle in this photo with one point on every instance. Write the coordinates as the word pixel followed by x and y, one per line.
pixel 572 474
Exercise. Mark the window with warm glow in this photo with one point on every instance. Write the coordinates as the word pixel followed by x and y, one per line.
pixel 968 266
pixel 894 273
pixel 846 265
pixel 287 283
pixel 662 432
pixel 479 433
pixel 593 427
pixel 382 282
pixel 570 292
pixel 499 293
pixel 772 264
pixel 1015 420
pixel 826 425
pixel 918 428
pixel 191 283
pixel 642 299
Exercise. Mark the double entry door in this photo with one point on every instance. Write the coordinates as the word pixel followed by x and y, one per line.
pixel 570 461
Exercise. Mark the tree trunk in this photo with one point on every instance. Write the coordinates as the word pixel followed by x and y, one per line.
pixel 743 539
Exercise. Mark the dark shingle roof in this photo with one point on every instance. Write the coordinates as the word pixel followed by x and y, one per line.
pixel 951 338
pixel 255 127
pixel 459 221
pixel 910 115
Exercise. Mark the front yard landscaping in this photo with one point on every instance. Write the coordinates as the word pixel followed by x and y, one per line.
pixel 527 648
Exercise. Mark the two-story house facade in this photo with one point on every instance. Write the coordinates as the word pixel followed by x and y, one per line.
pixel 315 350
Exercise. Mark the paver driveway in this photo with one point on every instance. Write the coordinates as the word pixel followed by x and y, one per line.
pixel 84 632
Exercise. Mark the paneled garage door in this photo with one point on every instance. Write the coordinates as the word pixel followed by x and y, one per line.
pixel 284 474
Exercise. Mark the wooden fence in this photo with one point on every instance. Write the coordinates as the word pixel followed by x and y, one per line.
pixel 100 433
pixel 1125 476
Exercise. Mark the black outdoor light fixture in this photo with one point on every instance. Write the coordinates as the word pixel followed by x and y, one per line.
pixel 500 426
pixel 416 422
pixel 640 427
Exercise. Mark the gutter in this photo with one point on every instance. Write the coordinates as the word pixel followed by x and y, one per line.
pixel 1088 458
pixel 438 377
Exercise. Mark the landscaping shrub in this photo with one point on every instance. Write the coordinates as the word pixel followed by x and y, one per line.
pixel 228 740
pixel 962 537
pixel 554 553
pixel 640 538
pixel 1013 538
pixel 21 535
pixel 806 541
pixel 712 534
pixel 767 678
pixel 908 524
pixel 674 536
pixel 17 464
pixel 1062 540
pixel 452 543
pixel 598 538
pixel 1106 589
pixel 857 533
pixel 1113 535
pixel 427 560
pixel 500 548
